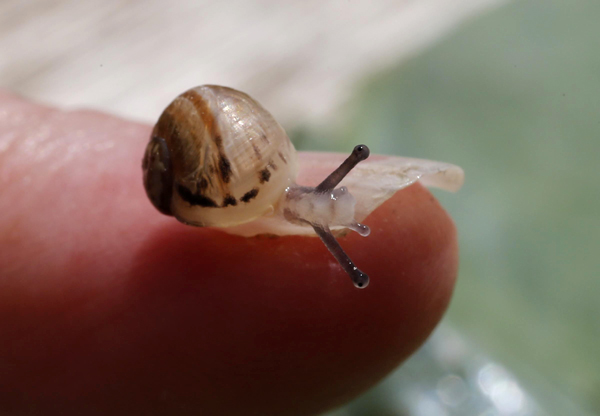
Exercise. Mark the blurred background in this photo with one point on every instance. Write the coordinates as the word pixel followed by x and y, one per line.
pixel 509 90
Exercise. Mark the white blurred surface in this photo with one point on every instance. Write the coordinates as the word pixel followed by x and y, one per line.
pixel 298 58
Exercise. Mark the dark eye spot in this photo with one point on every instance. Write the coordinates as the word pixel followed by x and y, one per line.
pixel 361 152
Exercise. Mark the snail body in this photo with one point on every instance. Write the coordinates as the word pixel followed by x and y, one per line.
pixel 217 158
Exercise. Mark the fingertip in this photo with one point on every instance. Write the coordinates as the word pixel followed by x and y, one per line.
pixel 182 317
pixel 286 300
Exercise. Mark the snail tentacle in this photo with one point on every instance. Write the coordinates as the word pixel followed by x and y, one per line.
pixel 325 206
pixel 360 279
pixel 360 153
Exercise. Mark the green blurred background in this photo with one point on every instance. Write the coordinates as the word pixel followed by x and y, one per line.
pixel 513 97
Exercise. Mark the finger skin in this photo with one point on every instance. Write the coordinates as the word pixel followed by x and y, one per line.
pixel 108 307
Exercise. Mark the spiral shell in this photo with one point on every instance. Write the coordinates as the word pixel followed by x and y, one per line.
pixel 222 158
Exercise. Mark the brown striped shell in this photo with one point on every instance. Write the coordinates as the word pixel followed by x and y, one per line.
pixel 217 158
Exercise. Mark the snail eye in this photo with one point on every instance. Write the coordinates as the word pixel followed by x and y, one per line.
pixel 158 174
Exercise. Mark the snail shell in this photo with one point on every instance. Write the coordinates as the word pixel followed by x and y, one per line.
pixel 217 158
pixel 221 159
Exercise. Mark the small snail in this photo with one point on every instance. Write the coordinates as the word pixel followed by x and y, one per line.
pixel 217 158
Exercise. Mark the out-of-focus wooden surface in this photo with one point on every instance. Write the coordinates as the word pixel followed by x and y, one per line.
pixel 299 58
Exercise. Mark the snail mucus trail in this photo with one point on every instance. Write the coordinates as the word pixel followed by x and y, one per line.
pixel 217 158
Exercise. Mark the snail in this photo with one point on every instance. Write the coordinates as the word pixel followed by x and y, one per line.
pixel 217 158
